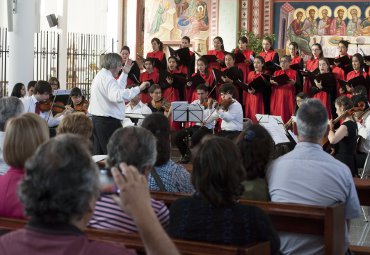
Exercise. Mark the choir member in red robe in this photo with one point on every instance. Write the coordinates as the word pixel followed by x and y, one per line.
pixel 170 91
pixel 358 70
pixel 149 75
pixel 297 63
pixel 206 74
pixel 268 53
pixel 218 51
pixel 326 93
pixel 312 64
pixel 235 77
pixel 282 96
pixel 189 68
pixel 134 74
pixel 158 53
pixel 254 99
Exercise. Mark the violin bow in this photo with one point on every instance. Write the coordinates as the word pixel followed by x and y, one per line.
pixel 51 107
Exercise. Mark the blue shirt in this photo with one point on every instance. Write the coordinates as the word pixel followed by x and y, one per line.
pixel 174 177
pixel 308 175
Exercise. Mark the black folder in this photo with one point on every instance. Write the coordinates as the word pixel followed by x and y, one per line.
pixel 134 73
pixel 271 67
pixel 296 67
pixel 183 54
pixel 281 79
pixel 196 80
pixel 327 79
pixel 258 84
pixel 210 58
pixel 239 57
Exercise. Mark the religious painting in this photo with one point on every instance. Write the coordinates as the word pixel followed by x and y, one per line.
pixel 170 20
pixel 326 23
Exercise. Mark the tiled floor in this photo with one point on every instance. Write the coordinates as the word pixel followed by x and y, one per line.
pixel 360 230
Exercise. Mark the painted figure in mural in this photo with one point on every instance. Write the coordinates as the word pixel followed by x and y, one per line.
pixel 158 19
pixel 310 23
pixel 337 25
pixel 198 18
pixel 181 6
pixel 353 26
pixel 298 34
pixel 365 24
pixel 324 22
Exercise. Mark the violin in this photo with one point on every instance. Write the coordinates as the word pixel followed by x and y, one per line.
pixel 48 105
pixel 82 106
pixel 225 104
pixel 162 104
pixel 207 104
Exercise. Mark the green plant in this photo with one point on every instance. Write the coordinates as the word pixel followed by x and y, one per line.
pixel 255 41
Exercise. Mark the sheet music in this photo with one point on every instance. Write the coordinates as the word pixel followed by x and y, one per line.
pixel 278 135
pixel 98 158
pixel 295 138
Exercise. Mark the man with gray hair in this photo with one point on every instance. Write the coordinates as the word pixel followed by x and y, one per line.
pixel 107 101
pixel 308 175
pixel 134 146
pixel 9 107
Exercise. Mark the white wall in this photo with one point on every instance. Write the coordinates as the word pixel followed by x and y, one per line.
pixel 3 15
pixel 228 23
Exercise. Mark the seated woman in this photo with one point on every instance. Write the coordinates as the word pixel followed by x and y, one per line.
pixel 257 148
pixel 166 174
pixel 77 101
pixel 345 137
pixel 76 123
pixel 23 135
pixel 158 103
pixel 212 214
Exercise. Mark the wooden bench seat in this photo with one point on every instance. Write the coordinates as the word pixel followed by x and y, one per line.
pixel 363 190
pixel 133 241
pixel 294 218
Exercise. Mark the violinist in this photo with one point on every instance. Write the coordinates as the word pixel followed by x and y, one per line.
pixel 78 101
pixel 196 131
pixel 40 104
pixel 230 111
pixel 363 125
pixel 345 137
pixel 158 103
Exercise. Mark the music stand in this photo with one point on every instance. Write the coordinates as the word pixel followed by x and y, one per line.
pixel 135 117
pixel 184 112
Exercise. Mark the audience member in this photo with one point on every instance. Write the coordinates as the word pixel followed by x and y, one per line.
pixel 166 174
pixel 134 146
pixel 23 135
pixel 309 175
pixel 19 90
pixel 257 148
pixel 9 107
pixel 212 213
pixel 76 123
pixel 59 197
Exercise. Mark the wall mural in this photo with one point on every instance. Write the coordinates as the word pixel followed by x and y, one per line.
pixel 170 20
pixel 327 23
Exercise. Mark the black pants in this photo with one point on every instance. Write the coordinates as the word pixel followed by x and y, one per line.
pixel 196 133
pixel 103 129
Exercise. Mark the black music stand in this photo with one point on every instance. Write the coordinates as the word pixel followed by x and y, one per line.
pixel 184 112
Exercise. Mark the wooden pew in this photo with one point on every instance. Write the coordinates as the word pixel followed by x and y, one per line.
pixel 294 218
pixel 133 241
pixel 363 190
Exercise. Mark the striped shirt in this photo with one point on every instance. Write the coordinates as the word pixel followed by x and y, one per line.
pixel 108 215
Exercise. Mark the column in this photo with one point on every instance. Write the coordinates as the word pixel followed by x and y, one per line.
pixel 21 42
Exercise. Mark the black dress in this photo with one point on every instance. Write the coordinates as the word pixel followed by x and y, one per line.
pixel 346 148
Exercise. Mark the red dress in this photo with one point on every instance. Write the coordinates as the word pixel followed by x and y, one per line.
pixel 270 55
pixel 209 83
pixel 245 69
pixel 297 60
pixel 354 74
pixel 311 65
pixel 171 94
pixel 253 102
pixel 282 97
pixel 145 76
pixel 323 96
pixel 161 56
pixel 220 55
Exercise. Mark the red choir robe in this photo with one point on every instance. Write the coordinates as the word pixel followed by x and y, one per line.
pixel 270 55
pixel 297 60
pixel 354 74
pixel 145 76
pixel 245 69
pixel 311 65
pixel 282 97
pixel 220 55
pixel 171 94
pixel 253 102
pixel 161 56
pixel 324 96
